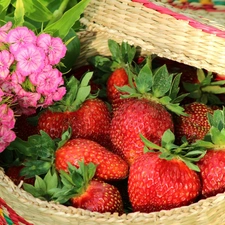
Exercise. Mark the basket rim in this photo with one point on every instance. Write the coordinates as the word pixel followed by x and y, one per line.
pixel 166 8
pixel 28 199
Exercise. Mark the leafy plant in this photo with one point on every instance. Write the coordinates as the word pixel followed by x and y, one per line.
pixel 57 18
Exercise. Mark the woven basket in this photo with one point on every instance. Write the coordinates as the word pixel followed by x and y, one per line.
pixel 156 29
pixel 194 37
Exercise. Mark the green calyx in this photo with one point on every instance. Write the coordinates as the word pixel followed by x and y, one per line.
pixel 75 182
pixel 206 90
pixel 158 85
pixel 61 187
pixel 215 138
pixel 121 55
pixel 37 154
pixel 186 152
pixel 76 93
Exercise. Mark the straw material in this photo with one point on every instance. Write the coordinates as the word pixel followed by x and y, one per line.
pixel 37 212
pixel 193 37
pixel 154 33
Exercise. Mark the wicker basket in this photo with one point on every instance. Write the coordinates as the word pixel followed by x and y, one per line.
pixel 165 33
pixel 194 37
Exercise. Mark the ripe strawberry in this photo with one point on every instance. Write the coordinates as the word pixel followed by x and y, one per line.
pixel 135 117
pixel 13 173
pixel 162 179
pixel 90 194
pixel 78 188
pixel 114 68
pixel 118 78
pixel 212 165
pixel 88 116
pixel 110 166
pixel 145 111
pixel 195 125
pixel 99 197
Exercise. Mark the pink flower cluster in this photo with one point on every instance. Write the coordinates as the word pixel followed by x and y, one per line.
pixel 29 76
pixel 28 69
pixel 7 122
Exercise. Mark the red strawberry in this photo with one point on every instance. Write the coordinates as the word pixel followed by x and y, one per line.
pixel 118 78
pixel 90 194
pixel 212 165
pixel 156 184
pixel 109 165
pixel 195 125
pixel 92 121
pixel 13 173
pixel 162 180
pixel 99 197
pixel 146 112
pixel 88 116
pixel 135 117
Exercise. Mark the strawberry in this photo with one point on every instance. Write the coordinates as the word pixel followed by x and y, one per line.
pixel 99 197
pixel 118 78
pixel 146 111
pixel 165 178
pixel 88 116
pixel 89 193
pixel 78 188
pixel 115 69
pixel 212 165
pixel 13 173
pixel 195 125
pixel 110 166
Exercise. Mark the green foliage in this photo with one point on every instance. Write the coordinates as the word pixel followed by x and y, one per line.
pixel 58 18
pixel 76 93
pixel 37 154
pixel 187 152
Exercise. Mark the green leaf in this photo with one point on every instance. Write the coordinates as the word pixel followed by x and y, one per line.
pixel 3 8
pixel 200 75
pixel 115 50
pixel 19 13
pixel 162 82
pixel 73 51
pixel 51 180
pixel 40 185
pixel 128 52
pixel 36 11
pixel 61 27
pixel 35 167
pixel 144 80
pixel 32 190
pixel 168 137
pixel 175 87
pixel 149 144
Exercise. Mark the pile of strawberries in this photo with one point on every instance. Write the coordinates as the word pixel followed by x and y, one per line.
pixel 131 134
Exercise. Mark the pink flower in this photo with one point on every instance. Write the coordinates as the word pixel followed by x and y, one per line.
pixel 7 116
pixel 1 94
pixel 54 47
pixel 20 36
pixel 30 59
pixel 48 80
pixel 28 99
pixel 3 31
pixel 58 95
pixel 6 60
pixel 6 137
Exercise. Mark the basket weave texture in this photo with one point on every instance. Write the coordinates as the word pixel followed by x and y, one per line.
pixel 157 31
pixel 193 37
